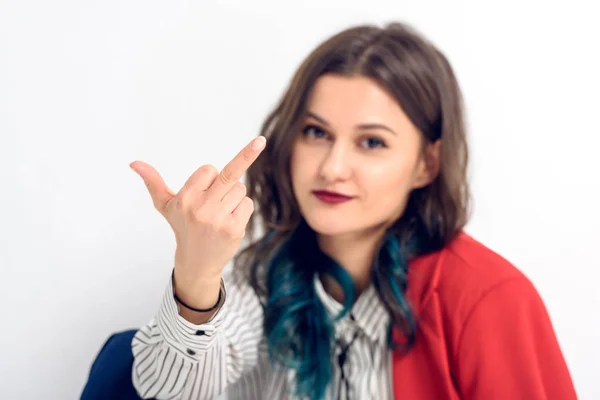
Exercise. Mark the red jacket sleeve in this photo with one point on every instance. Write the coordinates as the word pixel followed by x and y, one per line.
pixel 508 348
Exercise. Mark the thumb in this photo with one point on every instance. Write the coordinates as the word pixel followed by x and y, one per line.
pixel 160 193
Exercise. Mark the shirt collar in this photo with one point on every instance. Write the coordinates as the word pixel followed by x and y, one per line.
pixel 368 311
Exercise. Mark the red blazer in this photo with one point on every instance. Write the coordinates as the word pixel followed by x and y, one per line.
pixel 484 333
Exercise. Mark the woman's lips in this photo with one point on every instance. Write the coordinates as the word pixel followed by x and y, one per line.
pixel 331 197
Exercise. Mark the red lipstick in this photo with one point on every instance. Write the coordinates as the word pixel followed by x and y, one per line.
pixel 331 197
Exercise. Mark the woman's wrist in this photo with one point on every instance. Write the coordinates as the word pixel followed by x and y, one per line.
pixel 204 295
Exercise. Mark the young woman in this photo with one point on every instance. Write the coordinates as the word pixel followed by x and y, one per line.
pixel 362 283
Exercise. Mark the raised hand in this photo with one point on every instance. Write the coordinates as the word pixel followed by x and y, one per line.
pixel 209 217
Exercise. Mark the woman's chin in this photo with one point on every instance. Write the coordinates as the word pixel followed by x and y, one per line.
pixel 329 227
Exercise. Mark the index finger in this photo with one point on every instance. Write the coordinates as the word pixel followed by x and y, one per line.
pixel 236 168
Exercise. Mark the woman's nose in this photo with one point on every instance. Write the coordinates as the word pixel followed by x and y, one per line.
pixel 336 165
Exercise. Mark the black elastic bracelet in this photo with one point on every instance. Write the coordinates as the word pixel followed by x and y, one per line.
pixel 199 309
pixel 192 308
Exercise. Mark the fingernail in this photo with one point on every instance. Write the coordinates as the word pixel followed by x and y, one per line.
pixel 258 143
pixel 133 169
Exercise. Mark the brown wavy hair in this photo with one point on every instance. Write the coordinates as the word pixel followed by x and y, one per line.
pixel 422 81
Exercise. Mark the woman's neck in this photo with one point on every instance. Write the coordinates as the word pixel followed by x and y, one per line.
pixel 355 252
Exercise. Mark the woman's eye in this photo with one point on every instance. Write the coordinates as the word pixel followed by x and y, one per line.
pixel 313 131
pixel 373 143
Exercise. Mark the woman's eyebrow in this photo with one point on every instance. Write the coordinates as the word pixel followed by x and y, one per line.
pixel 368 126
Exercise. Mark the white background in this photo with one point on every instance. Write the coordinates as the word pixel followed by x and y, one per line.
pixel 88 86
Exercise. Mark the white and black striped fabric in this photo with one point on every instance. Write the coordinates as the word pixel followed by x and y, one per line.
pixel 175 359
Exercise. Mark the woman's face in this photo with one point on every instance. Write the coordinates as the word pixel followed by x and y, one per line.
pixel 355 141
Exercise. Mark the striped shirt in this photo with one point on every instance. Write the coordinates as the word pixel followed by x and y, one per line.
pixel 175 359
